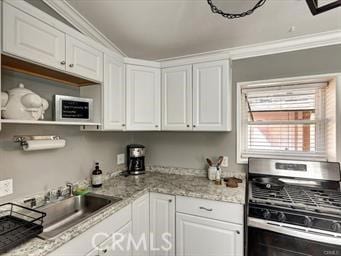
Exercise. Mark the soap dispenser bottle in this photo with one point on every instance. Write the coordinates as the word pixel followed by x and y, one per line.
pixel 96 177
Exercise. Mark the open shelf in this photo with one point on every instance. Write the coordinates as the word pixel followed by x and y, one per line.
pixel 33 69
pixel 13 121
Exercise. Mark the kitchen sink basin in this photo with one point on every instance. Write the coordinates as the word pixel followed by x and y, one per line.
pixel 66 213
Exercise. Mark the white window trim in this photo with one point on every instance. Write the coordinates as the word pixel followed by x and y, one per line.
pixel 286 81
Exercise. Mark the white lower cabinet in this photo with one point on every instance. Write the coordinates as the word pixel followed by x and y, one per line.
pixel 162 224
pixel 117 245
pixel 197 236
pixel 85 243
pixel 208 228
pixel 140 230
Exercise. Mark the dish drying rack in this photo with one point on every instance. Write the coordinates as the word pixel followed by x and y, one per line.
pixel 18 224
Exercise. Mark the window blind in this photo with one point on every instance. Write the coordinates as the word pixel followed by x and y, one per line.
pixel 284 120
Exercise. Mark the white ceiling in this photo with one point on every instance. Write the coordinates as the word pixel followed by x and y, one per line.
pixel 155 29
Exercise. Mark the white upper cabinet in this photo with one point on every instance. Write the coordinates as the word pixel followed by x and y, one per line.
pixel 83 59
pixel 27 37
pixel 113 94
pixel 177 98
pixel 211 96
pixel 143 98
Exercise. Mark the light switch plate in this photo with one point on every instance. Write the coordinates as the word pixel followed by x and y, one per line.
pixel 225 162
pixel 120 159
pixel 6 187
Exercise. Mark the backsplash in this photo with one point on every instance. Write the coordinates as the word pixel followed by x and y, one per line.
pixel 39 171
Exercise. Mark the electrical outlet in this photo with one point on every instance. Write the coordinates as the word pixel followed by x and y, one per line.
pixel 120 159
pixel 6 187
pixel 225 162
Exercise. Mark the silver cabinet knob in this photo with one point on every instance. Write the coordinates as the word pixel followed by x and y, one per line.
pixel 63 62
pixel 71 65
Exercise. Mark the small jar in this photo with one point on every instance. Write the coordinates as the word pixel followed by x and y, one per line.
pixel 212 172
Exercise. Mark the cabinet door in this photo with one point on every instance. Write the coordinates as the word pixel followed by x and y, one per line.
pixel 177 98
pixel 143 98
pixel 211 96
pixel 162 225
pixel 197 236
pixel 83 59
pixel 29 38
pixel 140 219
pixel 113 94
pixel 118 243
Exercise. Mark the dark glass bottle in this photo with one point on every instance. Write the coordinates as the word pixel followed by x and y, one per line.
pixel 96 179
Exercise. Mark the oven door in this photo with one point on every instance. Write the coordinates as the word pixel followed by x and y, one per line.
pixel 266 238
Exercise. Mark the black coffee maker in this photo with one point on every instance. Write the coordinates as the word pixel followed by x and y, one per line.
pixel 135 159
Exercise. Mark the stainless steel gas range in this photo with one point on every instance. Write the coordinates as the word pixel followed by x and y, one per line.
pixel 294 208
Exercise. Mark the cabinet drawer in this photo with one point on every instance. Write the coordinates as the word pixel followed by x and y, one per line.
pixel 223 211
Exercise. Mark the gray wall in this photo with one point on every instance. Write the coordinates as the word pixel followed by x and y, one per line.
pixel 190 149
pixel 38 171
pixel 41 170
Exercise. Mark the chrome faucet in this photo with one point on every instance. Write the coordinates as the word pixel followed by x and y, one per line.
pixel 70 187
pixel 32 201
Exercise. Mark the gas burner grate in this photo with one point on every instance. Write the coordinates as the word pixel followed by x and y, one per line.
pixel 297 197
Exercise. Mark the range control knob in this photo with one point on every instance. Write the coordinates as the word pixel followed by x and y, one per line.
pixel 336 227
pixel 308 221
pixel 266 214
pixel 281 217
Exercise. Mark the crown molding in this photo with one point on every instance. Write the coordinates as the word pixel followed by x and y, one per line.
pixel 287 45
pixel 69 13
pixel 139 62
pixel 328 38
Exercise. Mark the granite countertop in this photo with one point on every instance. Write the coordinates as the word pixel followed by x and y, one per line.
pixel 130 188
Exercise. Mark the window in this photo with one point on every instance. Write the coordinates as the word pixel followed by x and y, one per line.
pixel 282 120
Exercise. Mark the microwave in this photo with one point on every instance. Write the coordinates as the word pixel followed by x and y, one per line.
pixel 73 109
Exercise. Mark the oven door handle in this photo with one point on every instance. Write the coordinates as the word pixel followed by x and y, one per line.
pixel 296 231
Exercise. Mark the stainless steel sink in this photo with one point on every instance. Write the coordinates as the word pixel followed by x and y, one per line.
pixel 66 213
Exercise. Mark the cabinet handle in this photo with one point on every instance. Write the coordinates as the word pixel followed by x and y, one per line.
pixel 188 125
pixel 63 62
pixel 237 231
pixel 71 65
pixel 123 125
pixel 170 200
pixel 156 126
pixel 206 209
pixel 194 125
